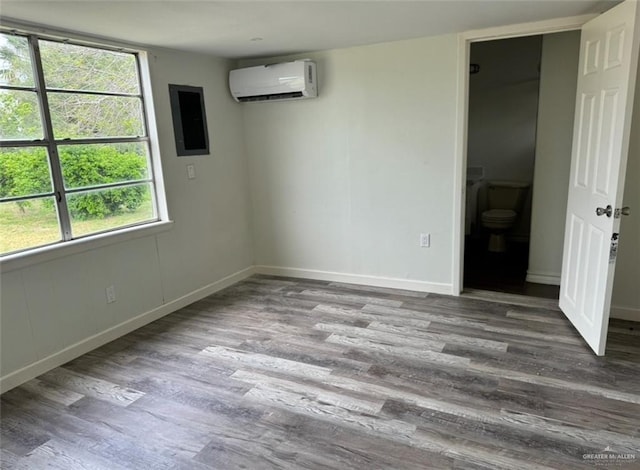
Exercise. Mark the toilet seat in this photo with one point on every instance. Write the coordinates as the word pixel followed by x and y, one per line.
pixel 499 215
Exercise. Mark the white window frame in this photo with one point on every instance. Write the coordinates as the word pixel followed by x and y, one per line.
pixel 70 245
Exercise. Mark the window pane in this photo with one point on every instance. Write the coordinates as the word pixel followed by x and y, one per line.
pixel 19 115
pixel 93 165
pixel 107 209
pixel 15 61
pixel 27 224
pixel 84 116
pixel 24 171
pixel 72 67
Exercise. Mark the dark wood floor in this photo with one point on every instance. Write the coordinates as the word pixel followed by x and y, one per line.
pixel 283 373
pixel 502 272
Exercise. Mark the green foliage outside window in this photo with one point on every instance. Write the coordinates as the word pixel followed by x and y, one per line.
pixel 22 172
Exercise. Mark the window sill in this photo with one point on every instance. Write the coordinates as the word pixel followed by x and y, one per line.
pixel 59 250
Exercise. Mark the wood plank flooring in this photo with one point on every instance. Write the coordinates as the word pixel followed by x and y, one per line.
pixel 298 374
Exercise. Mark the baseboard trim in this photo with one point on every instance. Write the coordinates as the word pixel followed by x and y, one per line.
pixel 37 368
pixel 550 278
pixel 376 281
pixel 625 313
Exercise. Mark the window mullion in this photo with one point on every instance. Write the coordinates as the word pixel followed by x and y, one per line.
pixel 109 186
pixel 94 93
pixel 23 143
pixel 100 140
pixel 17 88
pixel 56 168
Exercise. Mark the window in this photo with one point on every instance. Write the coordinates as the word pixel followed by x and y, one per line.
pixel 74 147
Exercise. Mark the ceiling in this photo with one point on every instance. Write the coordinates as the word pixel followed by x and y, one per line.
pixel 242 29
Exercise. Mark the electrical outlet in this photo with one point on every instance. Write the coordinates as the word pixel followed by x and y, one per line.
pixel 425 240
pixel 191 172
pixel 111 294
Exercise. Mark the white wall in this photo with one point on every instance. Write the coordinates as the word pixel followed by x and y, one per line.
pixel 503 105
pixel 212 234
pixel 55 305
pixel 558 81
pixel 346 182
pixel 626 286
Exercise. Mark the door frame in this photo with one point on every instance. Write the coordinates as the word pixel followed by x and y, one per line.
pixel 465 39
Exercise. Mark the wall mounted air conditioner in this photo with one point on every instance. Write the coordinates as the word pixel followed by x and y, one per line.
pixel 285 81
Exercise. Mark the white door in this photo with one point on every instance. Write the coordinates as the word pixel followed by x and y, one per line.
pixel 606 81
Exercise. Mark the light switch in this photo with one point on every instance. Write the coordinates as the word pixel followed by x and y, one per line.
pixel 191 172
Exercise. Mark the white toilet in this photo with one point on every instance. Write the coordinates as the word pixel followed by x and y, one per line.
pixel 505 200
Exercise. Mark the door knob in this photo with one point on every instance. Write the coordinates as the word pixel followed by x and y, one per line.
pixel 623 211
pixel 604 211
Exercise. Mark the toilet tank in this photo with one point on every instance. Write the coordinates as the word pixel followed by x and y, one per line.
pixel 506 195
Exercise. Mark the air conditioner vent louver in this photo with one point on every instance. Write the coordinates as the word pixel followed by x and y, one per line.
pixel 275 82
pixel 278 96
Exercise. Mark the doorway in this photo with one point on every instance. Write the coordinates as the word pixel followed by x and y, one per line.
pixel 520 124
pixel 501 142
pixel 613 133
